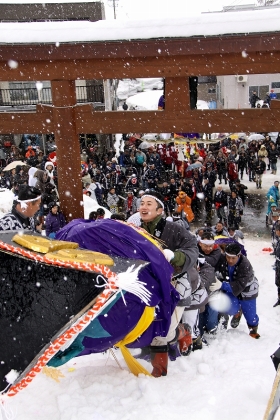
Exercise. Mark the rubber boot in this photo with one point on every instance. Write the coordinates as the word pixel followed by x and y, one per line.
pixel 185 339
pixel 159 360
pixel 260 185
pixel 254 332
pixel 235 320
pixel 257 184
pixel 266 220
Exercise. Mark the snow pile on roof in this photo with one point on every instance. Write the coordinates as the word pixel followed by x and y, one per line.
pixel 212 24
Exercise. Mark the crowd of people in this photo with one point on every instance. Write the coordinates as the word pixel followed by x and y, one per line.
pixel 153 189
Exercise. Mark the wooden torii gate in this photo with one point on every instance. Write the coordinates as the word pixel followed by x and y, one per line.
pixel 170 58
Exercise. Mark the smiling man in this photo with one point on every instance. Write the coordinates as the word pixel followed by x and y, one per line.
pixel 180 249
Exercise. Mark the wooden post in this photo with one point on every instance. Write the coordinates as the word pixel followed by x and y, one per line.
pixel 68 149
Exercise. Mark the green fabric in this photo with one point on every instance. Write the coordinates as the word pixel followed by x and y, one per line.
pixel 179 259
pixel 151 226
pixel 94 330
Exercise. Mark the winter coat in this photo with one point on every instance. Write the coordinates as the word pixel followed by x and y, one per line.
pixel 212 258
pixel 220 199
pixel 186 207
pixel 261 167
pixel 273 195
pixel 262 152
pixel 54 222
pixel 273 155
pixel 244 284
pixel 112 201
pixel 41 180
pixel 177 238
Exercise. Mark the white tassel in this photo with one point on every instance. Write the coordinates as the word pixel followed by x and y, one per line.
pixel 128 281
pixel 6 410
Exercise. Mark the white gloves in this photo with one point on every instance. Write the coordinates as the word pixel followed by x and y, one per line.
pixel 169 255
pixel 215 286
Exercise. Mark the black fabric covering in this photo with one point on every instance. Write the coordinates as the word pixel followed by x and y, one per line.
pixel 36 301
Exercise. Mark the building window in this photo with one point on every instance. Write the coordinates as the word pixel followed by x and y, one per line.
pixel 275 85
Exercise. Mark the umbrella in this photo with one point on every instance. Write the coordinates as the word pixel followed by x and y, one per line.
pixel 150 136
pixel 194 166
pixel 145 145
pixel 236 136
pixel 256 137
pixel 13 165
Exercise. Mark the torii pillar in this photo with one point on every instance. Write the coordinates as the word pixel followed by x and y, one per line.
pixel 68 148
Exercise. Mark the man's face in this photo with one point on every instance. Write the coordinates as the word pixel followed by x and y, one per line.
pixel 31 208
pixel 219 227
pixel 206 249
pixel 232 260
pixel 149 209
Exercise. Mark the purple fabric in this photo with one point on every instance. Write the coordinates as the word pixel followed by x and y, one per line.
pixel 118 239
pixel 189 135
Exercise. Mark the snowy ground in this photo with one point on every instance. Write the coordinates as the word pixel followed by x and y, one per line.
pixel 231 379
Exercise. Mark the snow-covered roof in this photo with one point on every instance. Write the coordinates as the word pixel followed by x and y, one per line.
pixel 212 24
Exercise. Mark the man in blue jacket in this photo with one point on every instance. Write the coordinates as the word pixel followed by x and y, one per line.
pixel 235 277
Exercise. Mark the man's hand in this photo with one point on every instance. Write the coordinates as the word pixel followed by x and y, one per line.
pixel 215 286
pixel 169 255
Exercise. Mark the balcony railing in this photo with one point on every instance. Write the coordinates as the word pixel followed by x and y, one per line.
pixel 32 96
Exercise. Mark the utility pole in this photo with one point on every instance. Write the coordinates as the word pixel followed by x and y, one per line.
pixel 113 3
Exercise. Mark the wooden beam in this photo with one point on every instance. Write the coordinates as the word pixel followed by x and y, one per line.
pixel 68 149
pixel 207 121
pixel 175 66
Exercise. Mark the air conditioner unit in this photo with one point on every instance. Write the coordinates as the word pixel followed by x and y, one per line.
pixel 241 79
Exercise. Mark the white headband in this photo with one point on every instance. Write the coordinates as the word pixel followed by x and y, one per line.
pixel 23 203
pixel 157 199
pixel 233 255
pixel 207 241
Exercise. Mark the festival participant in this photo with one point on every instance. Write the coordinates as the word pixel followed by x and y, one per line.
pixel 182 252
pixel 235 277
pixel 219 229
pixel 220 201
pixel 235 209
pixel 277 265
pixel 184 204
pixel 208 320
pixel 25 206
